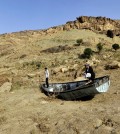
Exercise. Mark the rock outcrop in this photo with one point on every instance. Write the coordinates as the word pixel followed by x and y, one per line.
pixel 96 24
pixel 113 65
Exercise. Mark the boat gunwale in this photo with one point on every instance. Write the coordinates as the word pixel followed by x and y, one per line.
pixel 79 81
pixel 79 87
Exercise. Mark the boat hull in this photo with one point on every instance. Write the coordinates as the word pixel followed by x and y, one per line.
pixel 79 89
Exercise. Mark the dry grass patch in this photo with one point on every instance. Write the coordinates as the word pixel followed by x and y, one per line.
pixel 2 119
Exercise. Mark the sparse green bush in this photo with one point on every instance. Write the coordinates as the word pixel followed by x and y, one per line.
pixel 99 47
pixel 38 65
pixel 2 119
pixel 33 64
pixel 110 33
pixel 16 86
pixel 115 46
pixel 79 41
pixel 88 52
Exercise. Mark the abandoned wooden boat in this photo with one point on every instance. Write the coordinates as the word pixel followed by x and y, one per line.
pixel 78 89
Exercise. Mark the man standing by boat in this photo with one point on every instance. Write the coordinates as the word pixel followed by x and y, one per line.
pixel 89 73
pixel 47 77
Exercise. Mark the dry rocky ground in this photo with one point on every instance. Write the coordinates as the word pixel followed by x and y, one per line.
pixel 25 110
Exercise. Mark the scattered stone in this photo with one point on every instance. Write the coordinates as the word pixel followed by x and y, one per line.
pixel 31 75
pixel 15 72
pixel 108 128
pixel 6 87
pixel 97 123
pixel 113 65
pixel 55 70
pixel 64 69
pixel 44 102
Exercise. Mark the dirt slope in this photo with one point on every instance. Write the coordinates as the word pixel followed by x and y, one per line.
pixel 25 110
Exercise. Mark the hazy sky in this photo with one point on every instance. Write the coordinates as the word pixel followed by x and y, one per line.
pixel 19 15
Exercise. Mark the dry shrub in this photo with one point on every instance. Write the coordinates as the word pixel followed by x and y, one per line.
pixel 23 56
pixel 57 49
pixel 42 123
pixel 17 82
pixel 6 49
pixel 32 64
pixel 2 119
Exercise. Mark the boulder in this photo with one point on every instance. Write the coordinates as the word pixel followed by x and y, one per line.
pixel 64 69
pixel 113 65
pixel 15 72
pixel 31 75
pixel 6 87
pixel 95 62
pixel 55 70
pixel 97 123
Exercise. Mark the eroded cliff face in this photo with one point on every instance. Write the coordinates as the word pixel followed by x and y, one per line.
pixel 96 24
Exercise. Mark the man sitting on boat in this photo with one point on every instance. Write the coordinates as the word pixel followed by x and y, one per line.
pixel 89 73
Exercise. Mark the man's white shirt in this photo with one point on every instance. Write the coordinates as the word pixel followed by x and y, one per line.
pixel 47 73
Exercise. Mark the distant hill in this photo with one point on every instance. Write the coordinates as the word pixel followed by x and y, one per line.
pixel 96 24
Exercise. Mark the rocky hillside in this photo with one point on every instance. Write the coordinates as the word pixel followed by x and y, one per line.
pixel 23 56
pixel 26 51
pixel 56 46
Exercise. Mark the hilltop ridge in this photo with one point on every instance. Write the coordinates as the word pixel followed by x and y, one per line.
pixel 96 24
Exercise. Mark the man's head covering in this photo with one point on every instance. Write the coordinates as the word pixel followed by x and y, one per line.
pixel 87 63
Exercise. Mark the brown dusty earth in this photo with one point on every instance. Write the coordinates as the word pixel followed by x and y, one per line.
pixel 25 110
pixel 31 112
